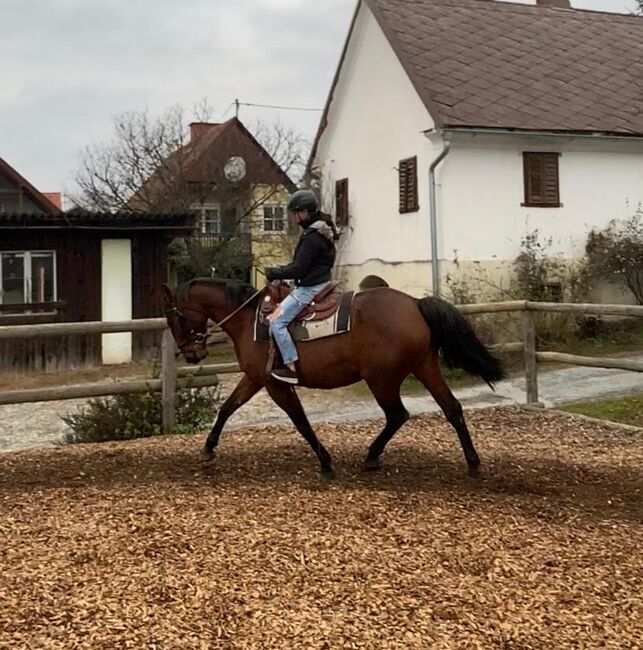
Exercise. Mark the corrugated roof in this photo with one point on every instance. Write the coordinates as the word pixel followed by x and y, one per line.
pixel 97 220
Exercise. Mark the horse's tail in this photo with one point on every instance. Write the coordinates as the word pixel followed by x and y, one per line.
pixel 453 337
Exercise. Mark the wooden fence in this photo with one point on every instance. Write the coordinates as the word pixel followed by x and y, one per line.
pixel 206 374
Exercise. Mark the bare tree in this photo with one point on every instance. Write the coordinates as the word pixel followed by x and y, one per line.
pixel 143 168
pixel 143 147
pixel 288 148
pixel 152 165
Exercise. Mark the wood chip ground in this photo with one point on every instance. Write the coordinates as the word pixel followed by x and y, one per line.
pixel 134 545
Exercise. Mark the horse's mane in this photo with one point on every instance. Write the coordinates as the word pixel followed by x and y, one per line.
pixel 236 292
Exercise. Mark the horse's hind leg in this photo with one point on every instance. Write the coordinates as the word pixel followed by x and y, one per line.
pixel 430 375
pixel 388 397
pixel 243 392
pixel 286 398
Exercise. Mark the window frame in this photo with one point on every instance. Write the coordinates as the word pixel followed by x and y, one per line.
pixel 544 158
pixel 27 281
pixel 341 202
pixel 271 206
pixel 201 210
pixel 407 174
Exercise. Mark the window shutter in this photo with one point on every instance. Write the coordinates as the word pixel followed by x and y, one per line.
pixel 408 185
pixel 542 187
pixel 229 222
pixel 341 202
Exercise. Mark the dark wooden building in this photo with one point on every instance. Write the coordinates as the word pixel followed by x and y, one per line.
pixel 53 270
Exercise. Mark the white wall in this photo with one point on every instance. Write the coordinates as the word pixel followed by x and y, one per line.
pixel 116 297
pixel 376 119
pixel 482 188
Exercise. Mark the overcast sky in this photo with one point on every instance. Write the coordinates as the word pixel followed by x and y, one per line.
pixel 67 67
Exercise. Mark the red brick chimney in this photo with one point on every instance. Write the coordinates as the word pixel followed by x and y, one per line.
pixel 197 129
pixel 561 4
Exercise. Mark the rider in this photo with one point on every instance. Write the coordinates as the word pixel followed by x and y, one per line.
pixel 310 269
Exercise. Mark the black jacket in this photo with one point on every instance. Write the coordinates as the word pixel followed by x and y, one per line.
pixel 313 259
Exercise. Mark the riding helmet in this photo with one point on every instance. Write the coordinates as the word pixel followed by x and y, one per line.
pixel 303 200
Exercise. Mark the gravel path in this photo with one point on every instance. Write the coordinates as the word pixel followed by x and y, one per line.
pixel 37 425
pixel 133 545
pixel 25 426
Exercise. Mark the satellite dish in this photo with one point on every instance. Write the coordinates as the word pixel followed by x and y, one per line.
pixel 235 169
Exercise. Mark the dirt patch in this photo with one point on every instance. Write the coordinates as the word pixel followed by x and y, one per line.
pixel 133 545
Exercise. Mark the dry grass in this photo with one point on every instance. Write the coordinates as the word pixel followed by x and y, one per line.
pixel 133 545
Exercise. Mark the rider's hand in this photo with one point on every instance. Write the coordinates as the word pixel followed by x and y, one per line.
pixel 270 274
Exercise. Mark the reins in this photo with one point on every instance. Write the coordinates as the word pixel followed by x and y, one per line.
pixel 202 337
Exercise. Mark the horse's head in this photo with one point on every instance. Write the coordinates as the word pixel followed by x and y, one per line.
pixel 188 324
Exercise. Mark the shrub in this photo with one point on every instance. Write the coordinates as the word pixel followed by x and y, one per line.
pixel 616 253
pixel 139 415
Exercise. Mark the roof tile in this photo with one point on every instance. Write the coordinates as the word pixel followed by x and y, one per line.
pixel 487 63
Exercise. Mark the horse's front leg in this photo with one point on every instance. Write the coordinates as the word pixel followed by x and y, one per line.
pixel 243 392
pixel 286 398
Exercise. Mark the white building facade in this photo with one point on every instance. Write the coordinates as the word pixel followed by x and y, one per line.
pixel 375 118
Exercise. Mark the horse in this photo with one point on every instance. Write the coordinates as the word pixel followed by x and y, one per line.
pixel 392 336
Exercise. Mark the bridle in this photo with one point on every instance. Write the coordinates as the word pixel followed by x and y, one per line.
pixel 201 338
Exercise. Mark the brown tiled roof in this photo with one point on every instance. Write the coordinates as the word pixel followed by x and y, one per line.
pixel 202 161
pixel 42 201
pixel 489 64
pixel 483 63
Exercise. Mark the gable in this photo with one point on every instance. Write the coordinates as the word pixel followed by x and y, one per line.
pixel 203 159
pixel 372 103
pixel 18 195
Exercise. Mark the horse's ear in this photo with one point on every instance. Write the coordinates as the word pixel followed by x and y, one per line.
pixel 166 296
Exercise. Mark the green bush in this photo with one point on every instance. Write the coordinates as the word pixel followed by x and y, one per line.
pixel 616 253
pixel 138 415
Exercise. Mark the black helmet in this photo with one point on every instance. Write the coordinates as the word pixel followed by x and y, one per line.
pixel 303 200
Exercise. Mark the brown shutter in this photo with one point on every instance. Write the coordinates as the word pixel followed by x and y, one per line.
pixel 408 182
pixel 542 187
pixel 341 202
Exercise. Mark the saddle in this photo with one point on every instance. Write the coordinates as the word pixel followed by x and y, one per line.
pixel 325 303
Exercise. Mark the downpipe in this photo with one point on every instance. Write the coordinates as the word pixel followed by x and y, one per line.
pixel 433 221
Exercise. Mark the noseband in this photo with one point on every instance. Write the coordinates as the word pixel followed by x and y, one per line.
pixel 200 338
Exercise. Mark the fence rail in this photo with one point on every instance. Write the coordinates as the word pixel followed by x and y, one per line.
pixel 173 376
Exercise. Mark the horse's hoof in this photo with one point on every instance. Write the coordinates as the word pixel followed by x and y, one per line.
pixel 372 464
pixel 474 476
pixel 207 455
pixel 327 474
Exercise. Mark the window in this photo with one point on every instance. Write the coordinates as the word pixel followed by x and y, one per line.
pixel 541 180
pixel 341 202
pixel 274 218
pixel 408 181
pixel 27 277
pixel 209 219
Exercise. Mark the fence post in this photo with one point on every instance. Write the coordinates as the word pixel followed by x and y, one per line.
pixel 168 382
pixel 531 366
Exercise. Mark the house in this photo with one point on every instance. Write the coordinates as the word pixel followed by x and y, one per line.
pixel 454 128
pixel 17 194
pixel 76 266
pixel 237 192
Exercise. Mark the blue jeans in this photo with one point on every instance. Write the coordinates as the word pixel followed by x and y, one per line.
pixel 296 300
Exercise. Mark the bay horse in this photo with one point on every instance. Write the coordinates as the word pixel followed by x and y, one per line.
pixel 392 336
